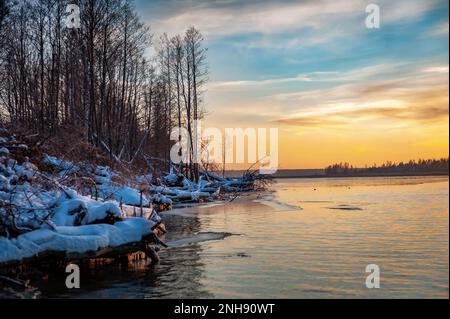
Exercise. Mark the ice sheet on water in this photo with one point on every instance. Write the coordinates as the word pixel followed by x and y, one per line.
pixel 197 238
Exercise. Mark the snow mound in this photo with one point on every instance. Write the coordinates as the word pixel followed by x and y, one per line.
pixel 62 166
pixel 39 214
pixel 82 210
pixel 81 239
pixel 103 175
pixel 123 194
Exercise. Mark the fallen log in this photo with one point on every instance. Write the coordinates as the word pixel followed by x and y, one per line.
pixel 50 257
pixel 13 281
pixel 186 195
pixel 213 176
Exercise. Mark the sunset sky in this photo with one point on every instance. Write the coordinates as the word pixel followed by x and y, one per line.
pixel 336 90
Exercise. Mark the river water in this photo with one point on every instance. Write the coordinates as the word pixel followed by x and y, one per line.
pixel 303 238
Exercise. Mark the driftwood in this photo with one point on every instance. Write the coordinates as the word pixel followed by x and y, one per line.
pixel 152 254
pixel 190 196
pixel 14 282
pixel 159 227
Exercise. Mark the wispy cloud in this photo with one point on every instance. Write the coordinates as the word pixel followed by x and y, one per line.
pixel 363 73
pixel 224 18
pixel 421 97
pixel 440 29
pixel 243 84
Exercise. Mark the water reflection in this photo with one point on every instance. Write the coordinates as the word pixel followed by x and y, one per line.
pixel 292 245
pixel 178 274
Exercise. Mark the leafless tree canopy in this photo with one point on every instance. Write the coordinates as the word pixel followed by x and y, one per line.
pixel 98 78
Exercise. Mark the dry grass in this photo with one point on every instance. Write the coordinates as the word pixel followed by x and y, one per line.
pixel 67 143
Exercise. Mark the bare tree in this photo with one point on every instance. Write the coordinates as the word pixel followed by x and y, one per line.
pixel 97 78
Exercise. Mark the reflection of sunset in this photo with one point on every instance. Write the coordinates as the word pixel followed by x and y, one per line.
pixel 320 250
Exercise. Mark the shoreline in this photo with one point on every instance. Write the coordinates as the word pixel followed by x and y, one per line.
pixel 363 175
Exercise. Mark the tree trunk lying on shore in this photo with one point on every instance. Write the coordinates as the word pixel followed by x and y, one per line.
pixel 146 245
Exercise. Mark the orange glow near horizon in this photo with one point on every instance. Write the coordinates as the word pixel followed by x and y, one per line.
pixel 388 126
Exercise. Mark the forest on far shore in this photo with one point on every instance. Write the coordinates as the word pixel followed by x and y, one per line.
pixel 420 167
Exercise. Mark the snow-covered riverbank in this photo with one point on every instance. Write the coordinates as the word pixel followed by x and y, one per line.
pixel 54 205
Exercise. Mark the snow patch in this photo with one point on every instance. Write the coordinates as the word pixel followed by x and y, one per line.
pixel 81 239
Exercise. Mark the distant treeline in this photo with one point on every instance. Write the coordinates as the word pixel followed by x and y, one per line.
pixel 422 166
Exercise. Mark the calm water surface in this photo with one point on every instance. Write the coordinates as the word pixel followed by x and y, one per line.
pixel 305 238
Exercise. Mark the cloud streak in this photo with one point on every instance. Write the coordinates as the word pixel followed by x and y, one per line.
pixel 225 18
pixel 420 98
pixel 363 73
